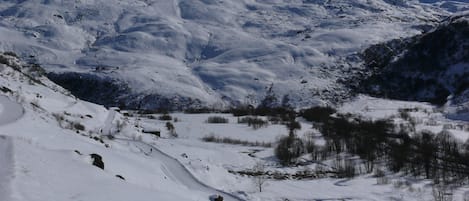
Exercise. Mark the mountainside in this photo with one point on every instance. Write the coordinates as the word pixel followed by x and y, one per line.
pixel 54 146
pixel 146 54
pixel 428 67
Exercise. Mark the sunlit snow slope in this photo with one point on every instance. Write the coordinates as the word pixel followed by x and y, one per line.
pixel 148 53
pixel 48 137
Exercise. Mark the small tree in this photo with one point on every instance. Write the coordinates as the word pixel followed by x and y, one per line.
pixel 289 148
pixel 293 126
pixel 259 175
pixel 171 129
pixel 442 192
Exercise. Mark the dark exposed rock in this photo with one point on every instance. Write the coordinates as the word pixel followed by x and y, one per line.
pixel 120 177
pixel 97 160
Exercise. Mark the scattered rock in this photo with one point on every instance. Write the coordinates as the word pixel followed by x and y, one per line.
pixel 216 198
pixel 97 160
pixel 120 177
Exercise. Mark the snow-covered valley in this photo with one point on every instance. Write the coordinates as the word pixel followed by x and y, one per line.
pixel 243 100
pixel 177 54
pixel 50 141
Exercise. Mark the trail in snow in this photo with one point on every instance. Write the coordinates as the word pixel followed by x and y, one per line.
pixel 172 167
pixel 178 172
pixel 9 111
pixel 6 167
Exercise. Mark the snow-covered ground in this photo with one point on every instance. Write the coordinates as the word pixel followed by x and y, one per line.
pixel 10 111
pixel 45 154
pixel 211 162
pixel 426 116
pixel 217 52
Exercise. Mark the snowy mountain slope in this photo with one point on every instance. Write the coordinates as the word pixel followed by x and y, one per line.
pixel 193 53
pixel 432 67
pixel 47 137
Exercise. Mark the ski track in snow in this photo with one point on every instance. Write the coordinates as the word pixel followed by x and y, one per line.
pixel 6 167
pixel 173 168
pixel 9 112
pixel 178 172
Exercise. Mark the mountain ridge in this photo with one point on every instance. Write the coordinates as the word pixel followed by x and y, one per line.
pixel 209 53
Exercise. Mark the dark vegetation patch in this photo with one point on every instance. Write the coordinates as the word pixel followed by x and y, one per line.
pixel 418 68
pixel 216 120
pixel 437 156
pixel 227 140
pixel 253 122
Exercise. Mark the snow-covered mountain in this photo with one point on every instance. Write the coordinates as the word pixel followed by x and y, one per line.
pixel 53 146
pixel 148 53
pixel 432 67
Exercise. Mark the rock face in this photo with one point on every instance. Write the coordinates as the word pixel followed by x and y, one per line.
pixel 97 161
pixel 429 67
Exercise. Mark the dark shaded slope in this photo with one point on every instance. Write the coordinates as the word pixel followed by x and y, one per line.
pixel 429 67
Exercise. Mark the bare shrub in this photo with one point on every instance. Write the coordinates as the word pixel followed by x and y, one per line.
pixel 78 126
pixel 259 178
pixel 381 178
pixel 345 168
pixel 288 149
pixel 171 129
pixel 216 120
pixel 165 117
pixel 442 192
pixel 253 122
pixel 227 140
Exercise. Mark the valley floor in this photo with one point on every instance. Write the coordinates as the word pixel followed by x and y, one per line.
pixel 45 155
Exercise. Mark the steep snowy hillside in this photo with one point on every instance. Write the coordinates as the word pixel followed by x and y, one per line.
pixel 147 54
pixel 53 146
pixel 429 67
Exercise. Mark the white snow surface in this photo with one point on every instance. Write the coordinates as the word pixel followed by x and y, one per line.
pixel 44 157
pixel 218 52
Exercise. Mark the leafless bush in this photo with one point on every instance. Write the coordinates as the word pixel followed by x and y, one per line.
pixel 165 117
pixel 226 140
pixel 381 178
pixel 259 178
pixel 254 122
pixel 78 126
pixel 217 120
pixel 171 129
pixel 442 192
